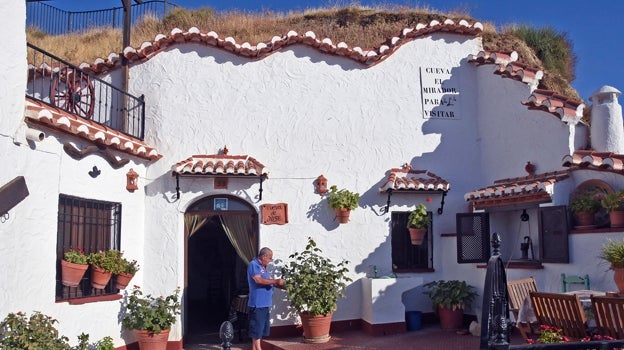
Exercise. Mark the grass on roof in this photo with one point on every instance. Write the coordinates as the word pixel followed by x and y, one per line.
pixel 366 27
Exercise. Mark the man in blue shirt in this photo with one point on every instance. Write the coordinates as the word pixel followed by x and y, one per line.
pixel 260 296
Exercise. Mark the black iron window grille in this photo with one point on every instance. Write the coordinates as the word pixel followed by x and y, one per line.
pixel 405 256
pixel 90 225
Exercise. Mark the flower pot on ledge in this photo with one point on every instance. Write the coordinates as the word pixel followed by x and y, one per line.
pixel 122 280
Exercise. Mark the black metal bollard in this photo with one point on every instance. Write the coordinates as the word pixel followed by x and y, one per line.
pixel 226 333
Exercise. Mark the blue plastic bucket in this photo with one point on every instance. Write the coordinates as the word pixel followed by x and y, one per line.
pixel 413 319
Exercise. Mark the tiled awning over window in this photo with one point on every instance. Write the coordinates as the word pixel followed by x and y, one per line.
pixel 591 160
pixel 406 179
pixel 533 189
pixel 220 165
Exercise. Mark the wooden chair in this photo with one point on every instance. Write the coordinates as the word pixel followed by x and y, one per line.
pixel 563 311
pixel 571 279
pixel 518 291
pixel 609 315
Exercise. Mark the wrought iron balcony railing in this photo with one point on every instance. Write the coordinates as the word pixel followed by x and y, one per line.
pixel 63 85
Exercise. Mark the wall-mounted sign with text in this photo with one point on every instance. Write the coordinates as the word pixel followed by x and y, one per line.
pixel 274 214
pixel 440 93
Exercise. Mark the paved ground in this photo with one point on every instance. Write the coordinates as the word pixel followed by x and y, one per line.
pixel 429 338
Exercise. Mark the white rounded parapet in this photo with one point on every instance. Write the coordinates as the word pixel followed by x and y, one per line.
pixel 382 298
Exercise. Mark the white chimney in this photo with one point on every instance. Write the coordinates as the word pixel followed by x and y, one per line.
pixel 607 126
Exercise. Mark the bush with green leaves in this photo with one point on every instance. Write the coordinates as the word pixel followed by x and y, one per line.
pixel 452 294
pixel 313 282
pixel 148 313
pixel 418 218
pixel 613 252
pixel 342 199
pixel 18 332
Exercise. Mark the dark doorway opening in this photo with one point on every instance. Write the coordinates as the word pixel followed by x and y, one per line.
pixel 215 275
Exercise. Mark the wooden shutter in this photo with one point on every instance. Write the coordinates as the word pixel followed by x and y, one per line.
pixel 553 234
pixel 473 237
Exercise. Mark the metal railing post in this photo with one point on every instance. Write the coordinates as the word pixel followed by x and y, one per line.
pixel 226 333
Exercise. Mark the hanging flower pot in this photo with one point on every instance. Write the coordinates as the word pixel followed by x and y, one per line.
pixel 342 215
pixel 417 235
pixel 99 277
pixel 122 280
pixel 71 274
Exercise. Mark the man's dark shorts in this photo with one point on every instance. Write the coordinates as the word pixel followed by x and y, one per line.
pixel 259 322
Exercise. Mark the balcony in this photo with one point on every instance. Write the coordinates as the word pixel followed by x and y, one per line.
pixel 60 84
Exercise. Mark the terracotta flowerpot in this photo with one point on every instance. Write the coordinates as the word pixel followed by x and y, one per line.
pixel 315 328
pixel 450 320
pixel 618 278
pixel 584 218
pixel 151 341
pixel 616 218
pixel 343 215
pixel 417 235
pixel 71 274
pixel 99 277
pixel 122 280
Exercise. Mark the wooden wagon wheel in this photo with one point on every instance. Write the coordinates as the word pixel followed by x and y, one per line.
pixel 73 92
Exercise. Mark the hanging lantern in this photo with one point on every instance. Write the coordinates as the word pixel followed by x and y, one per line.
pixel 132 180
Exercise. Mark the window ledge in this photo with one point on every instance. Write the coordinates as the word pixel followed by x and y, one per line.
pixel 412 270
pixel 597 230
pixel 80 301
pixel 526 265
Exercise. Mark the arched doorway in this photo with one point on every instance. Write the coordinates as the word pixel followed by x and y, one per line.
pixel 221 237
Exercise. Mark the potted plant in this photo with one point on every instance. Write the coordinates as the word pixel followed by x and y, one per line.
pixel 313 286
pixel 613 253
pixel 150 317
pixel 103 265
pixel 125 273
pixel 417 224
pixel 73 267
pixel 583 206
pixel 614 203
pixel 449 298
pixel 342 201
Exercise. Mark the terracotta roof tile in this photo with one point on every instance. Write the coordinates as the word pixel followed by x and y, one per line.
pixel 40 113
pixel 536 188
pixel 592 160
pixel 566 109
pixel 406 179
pixel 220 164
pixel 261 50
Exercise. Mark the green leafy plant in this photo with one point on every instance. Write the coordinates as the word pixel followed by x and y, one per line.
pixel 342 199
pixel 613 252
pixel 452 294
pixel 613 201
pixel 418 218
pixel 17 331
pixel 75 256
pixel 148 313
pixel 313 282
pixel 584 202
pixel 110 260
pixel 129 267
pixel 83 343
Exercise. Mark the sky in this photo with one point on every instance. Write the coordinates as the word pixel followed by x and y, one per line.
pixel 594 27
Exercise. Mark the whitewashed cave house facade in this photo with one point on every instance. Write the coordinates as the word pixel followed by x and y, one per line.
pixel 238 134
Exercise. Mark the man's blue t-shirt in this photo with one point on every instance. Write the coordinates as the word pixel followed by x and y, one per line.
pixel 259 295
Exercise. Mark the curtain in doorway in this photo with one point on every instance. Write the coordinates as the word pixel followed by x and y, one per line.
pixel 239 231
pixel 192 223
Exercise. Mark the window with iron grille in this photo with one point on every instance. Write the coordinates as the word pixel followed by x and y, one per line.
pixel 90 225
pixel 405 256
